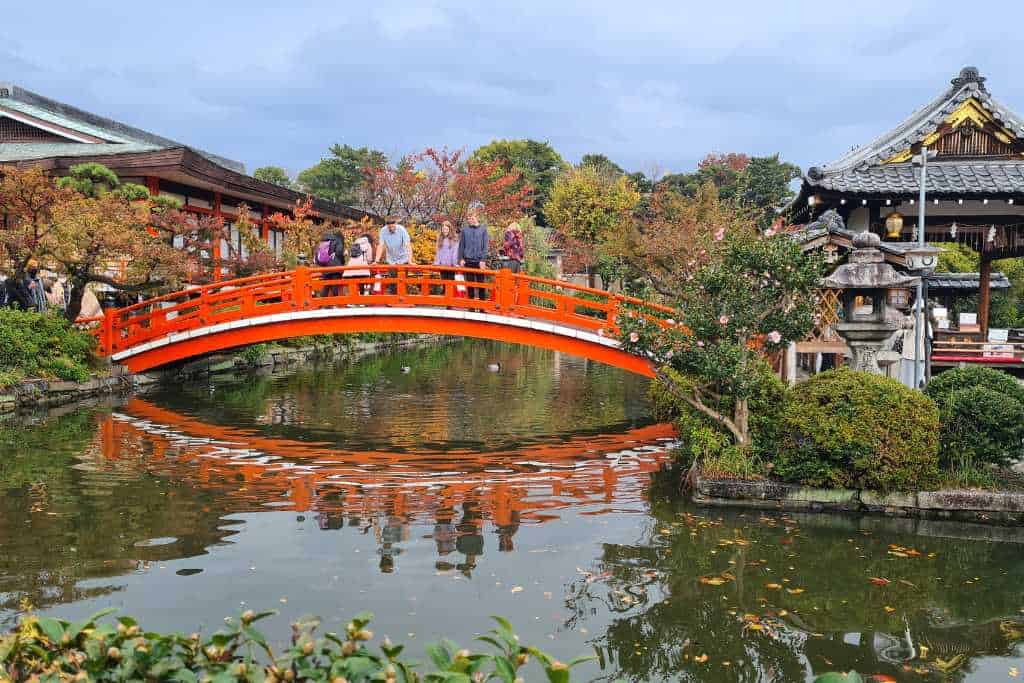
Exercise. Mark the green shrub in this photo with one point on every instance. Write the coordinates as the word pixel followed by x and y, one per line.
pixel 853 429
pixel 982 414
pixel 42 345
pixel 981 426
pixel 946 383
pixel 254 353
pixel 701 439
pixel 51 649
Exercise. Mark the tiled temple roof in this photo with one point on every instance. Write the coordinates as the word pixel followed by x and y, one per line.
pixel 965 281
pixel 864 169
pixel 121 137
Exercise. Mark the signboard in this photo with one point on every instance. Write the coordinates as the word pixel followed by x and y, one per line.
pixel 998 336
pixel 997 351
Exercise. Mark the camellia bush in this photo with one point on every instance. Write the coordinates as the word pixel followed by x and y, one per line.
pixel 48 649
pixel 843 428
pixel 752 295
pixel 982 414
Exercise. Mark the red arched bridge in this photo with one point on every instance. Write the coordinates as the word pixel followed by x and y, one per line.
pixel 419 299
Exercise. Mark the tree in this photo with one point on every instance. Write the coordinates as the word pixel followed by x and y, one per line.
pixel 114 234
pixel 590 211
pixel 27 197
pixel 674 236
pixel 339 176
pixel 752 297
pixel 301 233
pixel 537 162
pixel 94 229
pixel 274 175
pixel 435 185
pixel 765 187
pixel 602 164
pixel 758 184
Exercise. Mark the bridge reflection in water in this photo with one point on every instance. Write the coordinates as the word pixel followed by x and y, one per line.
pixel 461 490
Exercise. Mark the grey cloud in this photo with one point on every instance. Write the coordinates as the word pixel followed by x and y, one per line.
pixel 647 83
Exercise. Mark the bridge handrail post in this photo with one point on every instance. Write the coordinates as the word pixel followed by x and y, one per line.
pixel 504 284
pixel 403 285
pixel 301 287
pixel 107 338
pixel 611 324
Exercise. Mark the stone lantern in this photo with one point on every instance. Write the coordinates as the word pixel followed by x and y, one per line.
pixel 867 275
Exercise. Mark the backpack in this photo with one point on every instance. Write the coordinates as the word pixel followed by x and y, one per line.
pixel 324 255
pixel 356 250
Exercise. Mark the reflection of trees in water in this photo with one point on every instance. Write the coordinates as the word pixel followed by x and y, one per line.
pixel 663 616
pixel 448 399
pixel 69 513
pixel 122 479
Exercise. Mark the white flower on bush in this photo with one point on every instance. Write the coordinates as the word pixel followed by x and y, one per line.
pixel 634 337
pixel 723 320
pixel 774 337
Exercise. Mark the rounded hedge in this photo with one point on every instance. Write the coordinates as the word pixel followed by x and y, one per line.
pixel 857 430
pixel 943 385
pixel 982 413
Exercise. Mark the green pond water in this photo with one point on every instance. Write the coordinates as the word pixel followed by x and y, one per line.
pixel 435 491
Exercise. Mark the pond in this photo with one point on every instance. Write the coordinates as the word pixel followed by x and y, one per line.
pixel 440 485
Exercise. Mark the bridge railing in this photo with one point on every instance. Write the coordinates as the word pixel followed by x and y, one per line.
pixel 498 292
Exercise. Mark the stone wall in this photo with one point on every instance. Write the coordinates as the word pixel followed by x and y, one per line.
pixel 986 507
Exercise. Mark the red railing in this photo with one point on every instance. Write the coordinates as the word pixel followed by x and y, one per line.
pixel 304 289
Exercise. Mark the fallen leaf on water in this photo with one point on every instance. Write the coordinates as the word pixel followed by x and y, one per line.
pixel 516 589
pixel 1014 672
pixel 712 580
pixel 794 591
pixel 947 665
pixel 922 651
pixel 773 586
pixel 907 583
pixel 889 610
pixel 879 581
pixel 700 659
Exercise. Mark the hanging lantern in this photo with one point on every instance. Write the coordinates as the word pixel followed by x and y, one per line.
pixel 894 225
pixel 992 234
pixel 952 230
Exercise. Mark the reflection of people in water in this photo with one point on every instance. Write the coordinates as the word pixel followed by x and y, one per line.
pixel 444 531
pixel 506 518
pixel 506 532
pixel 470 541
pixel 392 533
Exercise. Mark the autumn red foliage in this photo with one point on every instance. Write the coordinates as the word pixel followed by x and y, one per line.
pixel 437 184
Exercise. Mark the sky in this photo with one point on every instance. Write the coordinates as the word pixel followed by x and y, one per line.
pixel 653 85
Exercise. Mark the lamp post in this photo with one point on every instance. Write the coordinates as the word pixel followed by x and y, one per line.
pixel 919 303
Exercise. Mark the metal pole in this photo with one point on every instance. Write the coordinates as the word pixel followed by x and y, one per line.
pixel 919 304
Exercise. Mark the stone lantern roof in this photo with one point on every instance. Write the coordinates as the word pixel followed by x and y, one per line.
pixel 866 268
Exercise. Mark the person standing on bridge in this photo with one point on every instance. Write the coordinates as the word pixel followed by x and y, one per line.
pixel 474 244
pixel 330 252
pixel 447 252
pixel 361 254
pixel 394 248
pixel 514 248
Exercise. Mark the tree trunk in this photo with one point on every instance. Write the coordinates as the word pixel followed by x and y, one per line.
pixel 591 277
pixel 75 300
pixel 741 418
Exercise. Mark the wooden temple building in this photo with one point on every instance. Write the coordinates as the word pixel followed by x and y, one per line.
pixel 974 193
pixel 38 131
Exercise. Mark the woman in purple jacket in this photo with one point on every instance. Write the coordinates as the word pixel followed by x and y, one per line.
pixel 447 250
